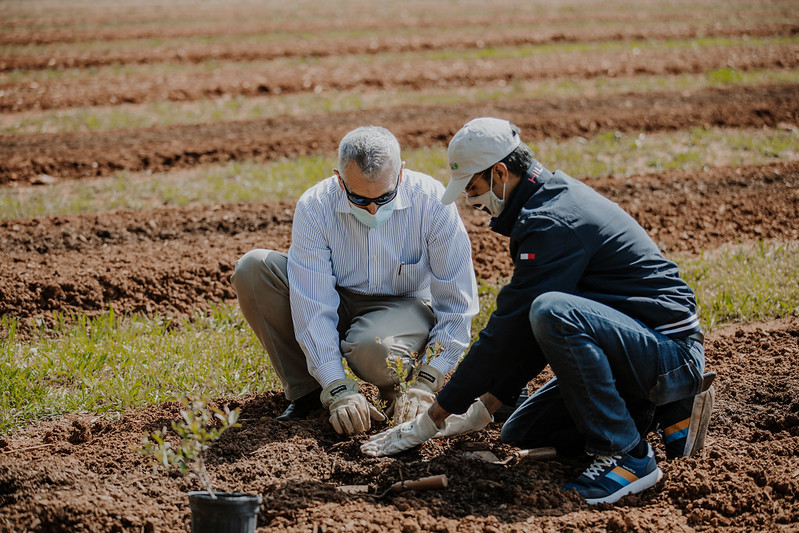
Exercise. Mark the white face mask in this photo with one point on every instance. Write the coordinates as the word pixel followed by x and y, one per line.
pixel 374 221
pixel 488 201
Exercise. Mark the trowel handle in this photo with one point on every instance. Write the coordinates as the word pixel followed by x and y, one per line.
pixel 546 452
pixel 431 482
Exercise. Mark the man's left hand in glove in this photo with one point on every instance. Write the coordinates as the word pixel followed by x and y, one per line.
pixel 402 437
pixel 431 423
pixel 474 419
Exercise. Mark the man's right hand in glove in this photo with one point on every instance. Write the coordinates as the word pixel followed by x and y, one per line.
pixel 350 412
pixel 420 396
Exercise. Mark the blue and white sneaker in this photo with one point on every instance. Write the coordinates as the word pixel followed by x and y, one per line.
pixel 611 477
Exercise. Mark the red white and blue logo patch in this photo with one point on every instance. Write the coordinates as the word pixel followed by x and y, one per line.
pixel 537 169
pixel 526 256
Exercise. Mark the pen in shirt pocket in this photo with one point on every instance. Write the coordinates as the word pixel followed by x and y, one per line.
pixel 399 270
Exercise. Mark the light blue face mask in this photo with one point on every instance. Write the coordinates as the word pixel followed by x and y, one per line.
pixel 374 221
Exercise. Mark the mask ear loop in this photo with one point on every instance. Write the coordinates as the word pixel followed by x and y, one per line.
pixel 491 185
pixel 504 185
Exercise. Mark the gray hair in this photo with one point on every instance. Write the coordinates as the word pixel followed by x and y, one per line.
pixel 374 149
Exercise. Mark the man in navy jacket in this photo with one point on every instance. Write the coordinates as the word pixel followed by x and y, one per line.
pixel 591 296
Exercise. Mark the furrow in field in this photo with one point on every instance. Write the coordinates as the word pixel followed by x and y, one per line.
pixel 27 24
pixel 174 260
pixel 456 59
pixel 266 47
pixel 412 72
pixel 76 155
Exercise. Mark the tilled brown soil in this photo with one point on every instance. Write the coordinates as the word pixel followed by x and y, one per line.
pixel 674 25
pixel 174 260
pixel 388 42
pixel 340 75
pixel 75 155
pixel 79 474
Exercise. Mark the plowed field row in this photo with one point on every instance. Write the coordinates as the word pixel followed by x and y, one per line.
pixel 408 73
pixel 456 38
pixel 49 24
pixel 80 473
pixel 177 260
pixel 76 155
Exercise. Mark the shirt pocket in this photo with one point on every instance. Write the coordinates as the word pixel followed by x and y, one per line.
pixel 411 278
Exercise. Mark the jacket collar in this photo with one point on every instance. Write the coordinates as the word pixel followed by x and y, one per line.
pixel 528 185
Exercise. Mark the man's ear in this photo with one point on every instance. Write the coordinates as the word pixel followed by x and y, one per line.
pixel 340 184
pixel 501 172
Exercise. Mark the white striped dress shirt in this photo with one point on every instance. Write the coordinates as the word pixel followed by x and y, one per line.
pixel 421 251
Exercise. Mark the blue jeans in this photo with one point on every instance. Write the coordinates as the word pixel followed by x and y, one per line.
pixel 610 372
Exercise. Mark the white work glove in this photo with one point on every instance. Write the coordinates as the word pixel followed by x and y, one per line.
pixel 411 404
pixel 350 412
pixel 420 396
pixel 400 438
pixel 474 419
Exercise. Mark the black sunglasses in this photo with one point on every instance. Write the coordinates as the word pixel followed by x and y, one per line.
pixel 363 201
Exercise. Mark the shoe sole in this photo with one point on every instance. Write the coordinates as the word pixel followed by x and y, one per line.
pixel 635 487
pixel 700 420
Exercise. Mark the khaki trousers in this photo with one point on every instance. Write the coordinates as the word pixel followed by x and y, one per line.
pixel 402 324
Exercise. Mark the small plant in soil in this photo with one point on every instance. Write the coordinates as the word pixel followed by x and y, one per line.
pixel 200 425
pixel 408 375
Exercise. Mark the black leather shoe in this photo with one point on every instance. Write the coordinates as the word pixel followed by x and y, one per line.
pixel 299 408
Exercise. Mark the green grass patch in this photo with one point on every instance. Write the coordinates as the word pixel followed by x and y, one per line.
pixel 111 363
pixel 602 46
pixel 606 154
pixel 107 364
pixel 617 154
pixel 229 183
pixel 744 283
pixel 487 293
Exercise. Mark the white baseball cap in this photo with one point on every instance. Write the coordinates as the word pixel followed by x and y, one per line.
pixel 480 143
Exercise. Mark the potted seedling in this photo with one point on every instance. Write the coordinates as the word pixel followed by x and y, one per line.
pixel 200 425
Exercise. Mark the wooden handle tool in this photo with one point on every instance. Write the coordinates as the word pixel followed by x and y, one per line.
pixel 431 482
pixel 546 452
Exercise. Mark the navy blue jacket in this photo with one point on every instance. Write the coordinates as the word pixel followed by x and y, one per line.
pixel 565 236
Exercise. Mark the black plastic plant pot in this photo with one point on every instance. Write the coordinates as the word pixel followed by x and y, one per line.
pixel 230 512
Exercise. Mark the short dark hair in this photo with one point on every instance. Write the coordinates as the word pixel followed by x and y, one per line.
pixel 520 159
